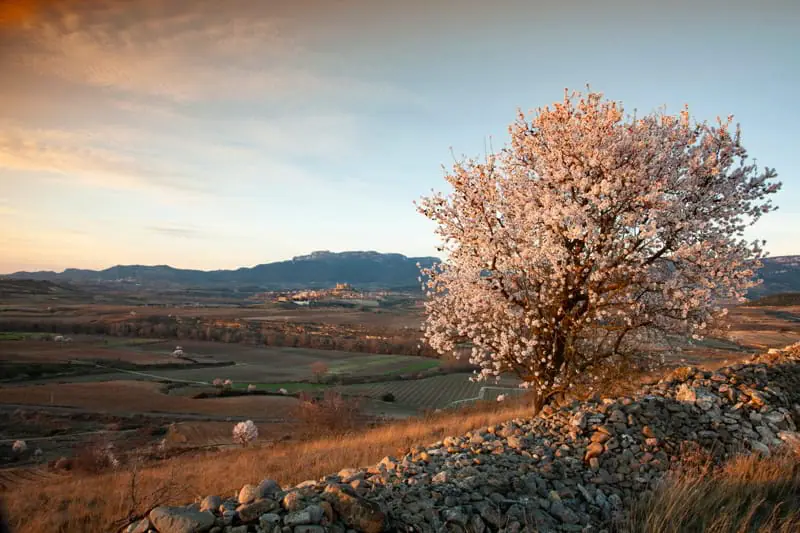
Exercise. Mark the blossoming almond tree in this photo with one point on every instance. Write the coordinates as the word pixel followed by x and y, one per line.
pixel 245 432
pixel 590 235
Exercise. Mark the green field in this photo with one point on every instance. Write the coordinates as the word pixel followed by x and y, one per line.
pixel 21 336
pixel 290 386
pixel 434 392
pixel 383 364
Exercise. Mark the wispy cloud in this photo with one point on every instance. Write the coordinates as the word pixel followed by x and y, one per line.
pixel 179 232
pixel 70 156
pixel 181 52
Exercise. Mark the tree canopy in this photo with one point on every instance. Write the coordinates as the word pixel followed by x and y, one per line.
pixel 591 236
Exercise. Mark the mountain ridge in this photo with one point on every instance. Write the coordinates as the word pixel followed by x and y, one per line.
pixel 324 268
pixel 317 268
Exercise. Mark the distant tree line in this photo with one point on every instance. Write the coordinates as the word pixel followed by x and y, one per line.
pixel 782 299
pixel 294 335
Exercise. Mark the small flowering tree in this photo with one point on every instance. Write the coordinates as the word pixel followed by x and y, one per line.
pixel 245 432
pixel 19 447
pixel 590 237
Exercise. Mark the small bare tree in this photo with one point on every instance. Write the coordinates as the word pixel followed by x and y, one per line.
pixel 319 370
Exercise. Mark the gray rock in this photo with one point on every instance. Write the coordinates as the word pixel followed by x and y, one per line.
pixel 310 515
pixel 268 488
pixel 181 520
pixel 211 503
pixel 269 520
pixel 760 448
pixel 140 526
pixel 355 511
pixel 249 493
pixel 252 512
pixel 309 529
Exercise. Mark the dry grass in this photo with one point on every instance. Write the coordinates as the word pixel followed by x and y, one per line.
pixel 91 503
pixel 332 413
pixel 747 494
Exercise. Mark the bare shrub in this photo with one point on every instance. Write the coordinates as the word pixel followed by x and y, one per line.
pixel 319 369
pixel 95 457
pixel 140 502
pixel 330 413
pixel 388 397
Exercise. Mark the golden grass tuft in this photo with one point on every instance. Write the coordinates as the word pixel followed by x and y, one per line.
pixel 91 503
pixel 748 494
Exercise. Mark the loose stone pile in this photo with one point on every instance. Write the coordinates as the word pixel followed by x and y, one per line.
pixel 573 468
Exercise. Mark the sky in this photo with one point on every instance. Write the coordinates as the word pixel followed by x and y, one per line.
pixel 207 134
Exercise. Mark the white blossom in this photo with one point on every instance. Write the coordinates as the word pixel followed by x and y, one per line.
pixel 245 432
pixel 19 446
pixel 591 236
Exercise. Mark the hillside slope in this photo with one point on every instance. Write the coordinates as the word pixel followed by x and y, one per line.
pixel 779 274
pixel 572 468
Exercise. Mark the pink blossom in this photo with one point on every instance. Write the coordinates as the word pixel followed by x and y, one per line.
pixel 589 239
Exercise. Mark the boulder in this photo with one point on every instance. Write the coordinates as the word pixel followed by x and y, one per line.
pixel 181 520
pixel 356 512
pixel 251 512
pixel 211 503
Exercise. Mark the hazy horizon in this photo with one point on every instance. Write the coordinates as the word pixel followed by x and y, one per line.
pixel 213 136
pixel 58 271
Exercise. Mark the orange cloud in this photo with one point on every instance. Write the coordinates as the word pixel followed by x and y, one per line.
pixel 15 13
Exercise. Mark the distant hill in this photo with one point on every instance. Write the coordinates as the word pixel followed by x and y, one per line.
pixel 780 274
pixel 324 269
pixel 30 287
pixel 318 269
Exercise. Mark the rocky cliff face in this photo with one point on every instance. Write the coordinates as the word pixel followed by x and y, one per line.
pixel 574 468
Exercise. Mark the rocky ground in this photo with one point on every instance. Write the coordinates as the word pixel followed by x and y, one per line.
pixel 573 468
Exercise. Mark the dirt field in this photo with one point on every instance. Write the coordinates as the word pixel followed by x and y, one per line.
pixel 129 397
pixel 87 348
pixel 765 327
pixel 71 313
pixel 254 364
